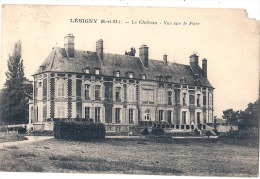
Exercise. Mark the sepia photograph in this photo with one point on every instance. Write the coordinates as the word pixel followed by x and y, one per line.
pixel 160 91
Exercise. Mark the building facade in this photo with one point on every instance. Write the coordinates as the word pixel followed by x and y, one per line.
pixel 121 91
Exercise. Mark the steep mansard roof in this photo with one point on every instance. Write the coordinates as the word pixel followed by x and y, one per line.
pixel 57 61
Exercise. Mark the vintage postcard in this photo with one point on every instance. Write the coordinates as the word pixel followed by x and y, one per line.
pixel 129 90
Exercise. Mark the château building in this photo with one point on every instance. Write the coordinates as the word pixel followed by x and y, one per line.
pixel 120 91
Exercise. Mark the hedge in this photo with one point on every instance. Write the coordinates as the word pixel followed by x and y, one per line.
pixel 78 130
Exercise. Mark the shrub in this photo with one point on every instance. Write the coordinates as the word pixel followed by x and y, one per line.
pixel 208 133
pixel 197 132
pixel 78 130
pixel 21 130
pixel 157 131
pixel 145 132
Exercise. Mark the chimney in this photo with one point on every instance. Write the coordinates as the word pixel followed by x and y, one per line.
pixel 194 63
pixel 99 48
pixel 204 67
pixel 69 45
pixel 144 55
pixel 165 59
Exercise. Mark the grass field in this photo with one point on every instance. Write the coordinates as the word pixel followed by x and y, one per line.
pixel 197 157
pixel 9 137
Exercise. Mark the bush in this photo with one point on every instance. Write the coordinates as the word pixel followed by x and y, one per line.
pixel 157 131
pixel 21 130
pixel 208 133
pixel 197 132
pixel 145 132
pixel 75 130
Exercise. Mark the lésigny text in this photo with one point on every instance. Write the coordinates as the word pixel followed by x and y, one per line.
pixel 76 20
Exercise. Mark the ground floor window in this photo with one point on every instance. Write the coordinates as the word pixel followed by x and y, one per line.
pixel 147 115
pixel 60 111
pixel 97 114
pixel 117 115
pixel 160 115
pixel 169 116
pixel 184 117
pixel 131 116
pixel 87 112
pixel 198 117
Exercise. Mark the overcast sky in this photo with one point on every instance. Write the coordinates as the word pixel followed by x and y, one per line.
pixel 226 37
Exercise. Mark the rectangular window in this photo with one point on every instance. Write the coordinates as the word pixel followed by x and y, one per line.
pixel 184 99
pixel 97 114
pixel 117 115
pixel 148 95
pixel 131 75
pixel 169 116
pixel 60 111
pixel 160 115
pixel 118 94
pixel 169 98
pixel 108 92
pixel 97 71
pixel 61 89
pixel 160 96
pixel 192 99
pixel 87 87
pixel 131 116
pixel 97 92
pixel 198 100
pixel 87 112
pixel 131 96
pixel 183 117
pixel 204 100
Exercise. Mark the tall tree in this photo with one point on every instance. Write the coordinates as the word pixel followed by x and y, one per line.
pixel 17 90
pixel 231 116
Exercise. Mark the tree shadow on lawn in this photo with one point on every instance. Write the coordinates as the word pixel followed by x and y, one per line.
pixel 83 164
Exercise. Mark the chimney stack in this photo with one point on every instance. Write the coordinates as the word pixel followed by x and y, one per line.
pixel 144 55
pixel 204 67
pixel 194 63
pixel 69 45
pixel 99 48
pixel 165 59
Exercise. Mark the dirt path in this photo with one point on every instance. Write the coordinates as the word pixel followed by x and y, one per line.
pixel 30 140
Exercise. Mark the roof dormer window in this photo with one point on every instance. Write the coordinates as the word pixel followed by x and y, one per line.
pixel 86 70
pixel 42 67
pixel 117 73
pixel 130 75
pixel 97 71
pixel 144 76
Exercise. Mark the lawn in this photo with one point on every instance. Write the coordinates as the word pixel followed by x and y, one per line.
pixel 197 157
pixel 9 137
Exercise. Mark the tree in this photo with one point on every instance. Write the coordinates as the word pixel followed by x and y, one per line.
pixel 250 117
pixel 131 53
pixel 17 90
pixel 231 116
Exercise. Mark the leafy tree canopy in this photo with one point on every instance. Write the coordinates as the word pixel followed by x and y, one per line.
pixel 17 90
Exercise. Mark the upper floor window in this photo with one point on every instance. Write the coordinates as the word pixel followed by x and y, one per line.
pixel 160 96
pixel 198 100
pixel 61 89
pixel 204 100
pixel 131 94
pixel 87 87
pixel 131 75
pixel 169 98
pixel 86 70
pixel 184 99
pixel 97 71
pixel 117 73
pixel 148 95
pixel 97 92
pixel 118 94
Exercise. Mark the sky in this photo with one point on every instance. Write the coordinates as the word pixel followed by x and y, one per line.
pixel 226 37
